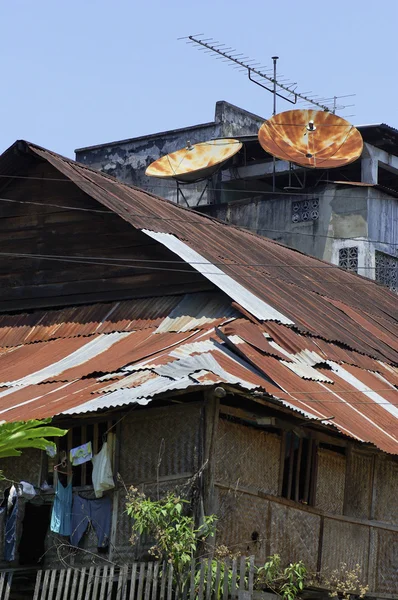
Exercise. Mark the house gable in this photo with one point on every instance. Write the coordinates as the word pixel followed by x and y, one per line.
pixel 55 238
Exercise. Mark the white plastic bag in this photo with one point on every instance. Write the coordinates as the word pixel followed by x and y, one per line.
pixel 102 471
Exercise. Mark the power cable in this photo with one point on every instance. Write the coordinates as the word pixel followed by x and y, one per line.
pixel 196 221
pixel 95 261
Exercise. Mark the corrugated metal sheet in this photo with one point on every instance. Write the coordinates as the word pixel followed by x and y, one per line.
pixel 309 309
pixel 269 279
pixel 84 374
pixel 128 315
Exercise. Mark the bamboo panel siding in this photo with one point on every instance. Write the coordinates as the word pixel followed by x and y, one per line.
pixel 294 535
pixel 330 481
pixel 386 487
pixel 359 485
pixel 243 523
pixel 165 443
pixel 345 543
pixel 248 456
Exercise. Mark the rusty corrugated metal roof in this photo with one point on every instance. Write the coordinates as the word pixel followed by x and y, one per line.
pixel 289 286
pixel 92 372
pixel 321 331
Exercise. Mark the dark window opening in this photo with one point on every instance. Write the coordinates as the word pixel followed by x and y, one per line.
pixel 76 436
pixel 34 529
pixel 298 471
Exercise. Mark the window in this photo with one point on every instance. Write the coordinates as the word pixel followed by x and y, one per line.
pixel 387 270
pixel 305 210
pixel 298 470
pixel 81 474
pixel 348 258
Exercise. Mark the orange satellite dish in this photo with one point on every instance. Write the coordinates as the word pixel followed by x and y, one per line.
pixel 311 138
pixel 194 162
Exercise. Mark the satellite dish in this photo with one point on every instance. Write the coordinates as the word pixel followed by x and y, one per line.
pixel 194 162
pixel 311 138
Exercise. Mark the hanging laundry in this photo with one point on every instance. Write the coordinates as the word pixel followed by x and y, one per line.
pixel 81 454
pixel 62 509
pixel 98 513
pixel 102 469
pixel 9 507
pixel 27 490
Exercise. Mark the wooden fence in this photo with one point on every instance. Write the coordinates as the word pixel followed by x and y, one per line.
pixel 205 580
pixel 5 584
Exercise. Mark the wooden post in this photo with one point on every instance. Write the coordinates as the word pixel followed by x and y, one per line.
pixel 212 410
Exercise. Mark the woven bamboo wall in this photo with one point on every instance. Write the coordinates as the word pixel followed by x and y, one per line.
pixel 330 481
pixel 247 456
pixel 169 436
pixel 386 488
pixel 359 485
pixel 345 543
pixel 386 573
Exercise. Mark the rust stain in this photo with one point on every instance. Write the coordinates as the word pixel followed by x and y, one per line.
pixel 311 138
pixel 194 161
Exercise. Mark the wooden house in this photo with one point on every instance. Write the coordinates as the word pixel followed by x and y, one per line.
pixel 257 381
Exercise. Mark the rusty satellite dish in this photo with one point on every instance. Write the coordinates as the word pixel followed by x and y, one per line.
pixel 194 162
pixel 311 138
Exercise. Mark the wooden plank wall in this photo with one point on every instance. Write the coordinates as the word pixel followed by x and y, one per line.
pixel 51 230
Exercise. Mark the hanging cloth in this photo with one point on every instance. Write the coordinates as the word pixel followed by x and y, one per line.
pixel 62 510
pixel 9 507
pixel 102 471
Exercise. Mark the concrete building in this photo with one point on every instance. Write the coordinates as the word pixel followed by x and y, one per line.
pixel 347 216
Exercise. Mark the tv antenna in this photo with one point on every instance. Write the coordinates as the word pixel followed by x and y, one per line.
pixel 258 74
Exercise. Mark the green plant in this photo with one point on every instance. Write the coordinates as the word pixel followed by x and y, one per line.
pixel 287 582
pixel 345 582
pixel 176 537
pixel 14 437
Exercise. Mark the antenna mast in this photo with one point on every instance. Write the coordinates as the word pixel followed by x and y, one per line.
pixel 244 63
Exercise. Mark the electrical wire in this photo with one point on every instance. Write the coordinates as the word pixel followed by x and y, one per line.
pixel 95 261
pixel 196 221
pixel 173 187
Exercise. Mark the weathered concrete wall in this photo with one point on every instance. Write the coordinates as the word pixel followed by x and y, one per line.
pixel 342 213
pixel 127 160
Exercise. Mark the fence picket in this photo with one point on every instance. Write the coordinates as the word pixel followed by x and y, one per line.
pixel 81 584
pixel 104 581
pixel 192 581
pixel 217 580
pixel 209 578
pixel 163 584
pixel 226 580
pixel 74 584
pixel 148 581
pixel 90 579
pixel 97 577
pixel 8 586
pixel 233 578
pixel 37 586
pixel 133 581
pixel 201 579
pixel 242 573
pixel 141 581
pixel 2 581
pixel 170 583
pixel 250 585
pixel 155 580
pixel 60 584
pixel 110 582
pixel 45 584
pixel 52 584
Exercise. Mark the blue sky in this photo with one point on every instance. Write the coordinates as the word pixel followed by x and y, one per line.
pixel 83 72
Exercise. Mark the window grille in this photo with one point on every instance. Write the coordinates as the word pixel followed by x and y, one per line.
pixel 305 210
pixel 387 270
pixel 348 258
